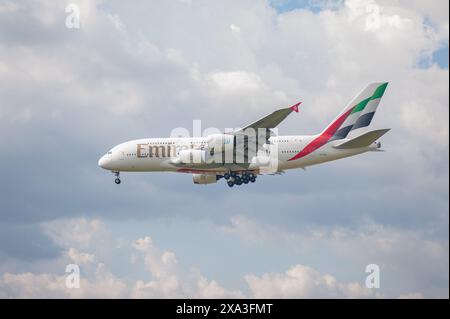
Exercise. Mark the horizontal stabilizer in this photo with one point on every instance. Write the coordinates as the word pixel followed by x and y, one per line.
pixel 363 140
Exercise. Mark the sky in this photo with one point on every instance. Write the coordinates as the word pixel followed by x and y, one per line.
pixel 67 95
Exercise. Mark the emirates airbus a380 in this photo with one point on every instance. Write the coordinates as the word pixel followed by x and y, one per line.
pixel 241 155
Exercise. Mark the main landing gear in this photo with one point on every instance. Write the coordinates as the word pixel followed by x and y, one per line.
pixel 238 179
pixel 117 180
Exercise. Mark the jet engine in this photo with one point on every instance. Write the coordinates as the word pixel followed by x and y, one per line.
pixel 204 178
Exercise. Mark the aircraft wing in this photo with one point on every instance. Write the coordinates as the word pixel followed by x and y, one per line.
pixel 250 139
pixel 272 120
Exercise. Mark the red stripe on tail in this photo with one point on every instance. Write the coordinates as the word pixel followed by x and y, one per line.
pixel 323 138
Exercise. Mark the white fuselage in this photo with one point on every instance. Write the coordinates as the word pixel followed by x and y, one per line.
pixel 160 154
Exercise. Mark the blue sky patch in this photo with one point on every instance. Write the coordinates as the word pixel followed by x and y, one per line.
pixel 283 6
pixel 441 57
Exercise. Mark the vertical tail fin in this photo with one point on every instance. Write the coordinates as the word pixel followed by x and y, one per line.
pixel 359 113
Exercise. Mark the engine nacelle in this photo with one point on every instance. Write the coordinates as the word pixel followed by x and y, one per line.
pixel 204 178
pixel 192 156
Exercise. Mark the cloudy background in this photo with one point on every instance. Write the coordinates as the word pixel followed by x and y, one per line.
pixel 68 95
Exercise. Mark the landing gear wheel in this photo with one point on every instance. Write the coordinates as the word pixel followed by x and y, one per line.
pixel 230 183
pixel 253 179
pixel 226 176
pixel 246 180
pixel 117 180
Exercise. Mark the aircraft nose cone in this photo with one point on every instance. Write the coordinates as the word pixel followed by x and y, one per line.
pixel 102 162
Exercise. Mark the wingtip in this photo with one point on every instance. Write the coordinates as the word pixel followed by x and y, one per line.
pixel 295 107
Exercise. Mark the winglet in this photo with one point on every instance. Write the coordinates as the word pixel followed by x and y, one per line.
pixel 295 107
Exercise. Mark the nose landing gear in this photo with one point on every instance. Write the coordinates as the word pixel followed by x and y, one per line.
pixel 117 180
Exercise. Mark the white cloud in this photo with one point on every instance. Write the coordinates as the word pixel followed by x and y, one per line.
pixel 248 229
pixel 78 232
pixel 303 282
pixel 96 281
pixel 115 20
pixel 8 7
pixel 400 253
pixel 80 258
pixel 211 290
pixel 163 268
pixel 235 81
pixel 30 285
pixel 413 295
pixel 235 28
pixel 170 280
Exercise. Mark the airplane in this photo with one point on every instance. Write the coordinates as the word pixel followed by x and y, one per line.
pixel 240 156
